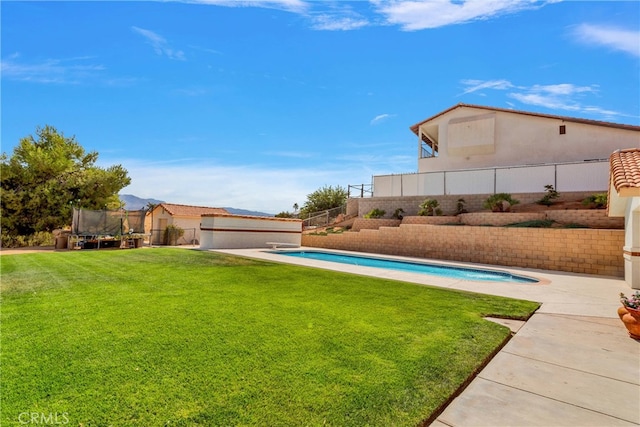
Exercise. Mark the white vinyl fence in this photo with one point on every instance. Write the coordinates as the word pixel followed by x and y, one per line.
pixel 582 176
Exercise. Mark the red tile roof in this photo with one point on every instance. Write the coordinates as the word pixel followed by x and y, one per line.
pixel 186 210
pixel 625 171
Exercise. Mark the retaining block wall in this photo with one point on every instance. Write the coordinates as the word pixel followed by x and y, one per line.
pixel 374 223
pixel 588 251
pixel 448 203
pixel 592 218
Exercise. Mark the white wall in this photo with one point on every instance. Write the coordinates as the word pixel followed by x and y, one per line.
pixel 569 177
pixel 632 242
pixel 243 232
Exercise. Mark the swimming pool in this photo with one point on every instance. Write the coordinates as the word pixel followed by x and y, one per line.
pixel 465 273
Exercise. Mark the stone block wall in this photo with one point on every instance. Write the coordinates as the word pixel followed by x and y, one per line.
pixel 448 204
pixel 374 223
pixel 591 218
pixel 499 218
pixel 594 218
pixel 589 251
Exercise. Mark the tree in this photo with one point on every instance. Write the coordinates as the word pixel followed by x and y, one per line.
pixel 322 199
pixel 46 177
pixel 284 214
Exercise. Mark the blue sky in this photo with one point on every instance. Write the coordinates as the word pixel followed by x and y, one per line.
pixel 256 104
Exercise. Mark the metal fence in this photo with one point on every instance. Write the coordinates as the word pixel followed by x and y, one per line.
pixel 324 218
pixel 162 238
pixel 360 191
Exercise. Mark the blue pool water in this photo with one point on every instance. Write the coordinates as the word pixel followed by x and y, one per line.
pixel 413 267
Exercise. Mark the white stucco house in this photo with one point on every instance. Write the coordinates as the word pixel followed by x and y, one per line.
pixel 472 149
pixel 624 200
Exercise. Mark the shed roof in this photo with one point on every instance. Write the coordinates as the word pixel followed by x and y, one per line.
pixel 187 210
pixel 415 127
pixel 625 172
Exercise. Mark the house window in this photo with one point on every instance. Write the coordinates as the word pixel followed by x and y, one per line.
pixel 563 129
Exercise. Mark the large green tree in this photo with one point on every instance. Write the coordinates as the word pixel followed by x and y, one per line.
pixel 322 199
pixel 47 176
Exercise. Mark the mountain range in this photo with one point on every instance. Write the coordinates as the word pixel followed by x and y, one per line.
pixel 134 203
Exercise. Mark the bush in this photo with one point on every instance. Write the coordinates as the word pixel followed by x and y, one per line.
pixel 171 234
pixel 536 223
pixel 497 202
pixel 598 201
pixel 398 214
pixel 548 198
pixel 429 208
pixel 40 238
pixel 375 213
pixel 460 209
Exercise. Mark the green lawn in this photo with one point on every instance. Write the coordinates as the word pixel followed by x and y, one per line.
pixel 175 337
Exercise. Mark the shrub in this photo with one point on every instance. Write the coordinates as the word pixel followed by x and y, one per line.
pixel 429 208
pixel 398 214
pixel 171 234
pixel 536 223
pixel 375 213
pixel 548 198
pixel 40 238
pixel 497 202
pixel 460 209
pixel 575 225
pixel 597 201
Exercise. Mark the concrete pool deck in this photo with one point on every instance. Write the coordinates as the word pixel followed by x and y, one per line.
pixel 571 364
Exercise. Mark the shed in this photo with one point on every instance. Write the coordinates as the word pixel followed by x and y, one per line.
pixel 186 217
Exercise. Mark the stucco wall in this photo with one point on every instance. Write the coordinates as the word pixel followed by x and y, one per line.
pixel 589 251
pixel 242 232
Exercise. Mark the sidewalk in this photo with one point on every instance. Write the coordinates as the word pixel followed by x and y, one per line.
pixel 571 364
pixel 558 370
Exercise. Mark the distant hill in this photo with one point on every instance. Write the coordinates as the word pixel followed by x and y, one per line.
pixel 134 203
pixel 235 211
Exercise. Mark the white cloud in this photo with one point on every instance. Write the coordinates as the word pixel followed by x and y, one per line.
pixel 563 96
pixel 296 6
pixel 159 44
pixel 331 22
pixel 419 15
pixel 61 71
pixel 627 41
pixel 259 188
pixel 558 97
pixel 380 118
pixel 410 15
pixel 479 85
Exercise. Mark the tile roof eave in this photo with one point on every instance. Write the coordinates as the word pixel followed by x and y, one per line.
pixel 625 172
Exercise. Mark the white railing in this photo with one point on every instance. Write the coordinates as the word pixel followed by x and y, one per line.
pixel 577 176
